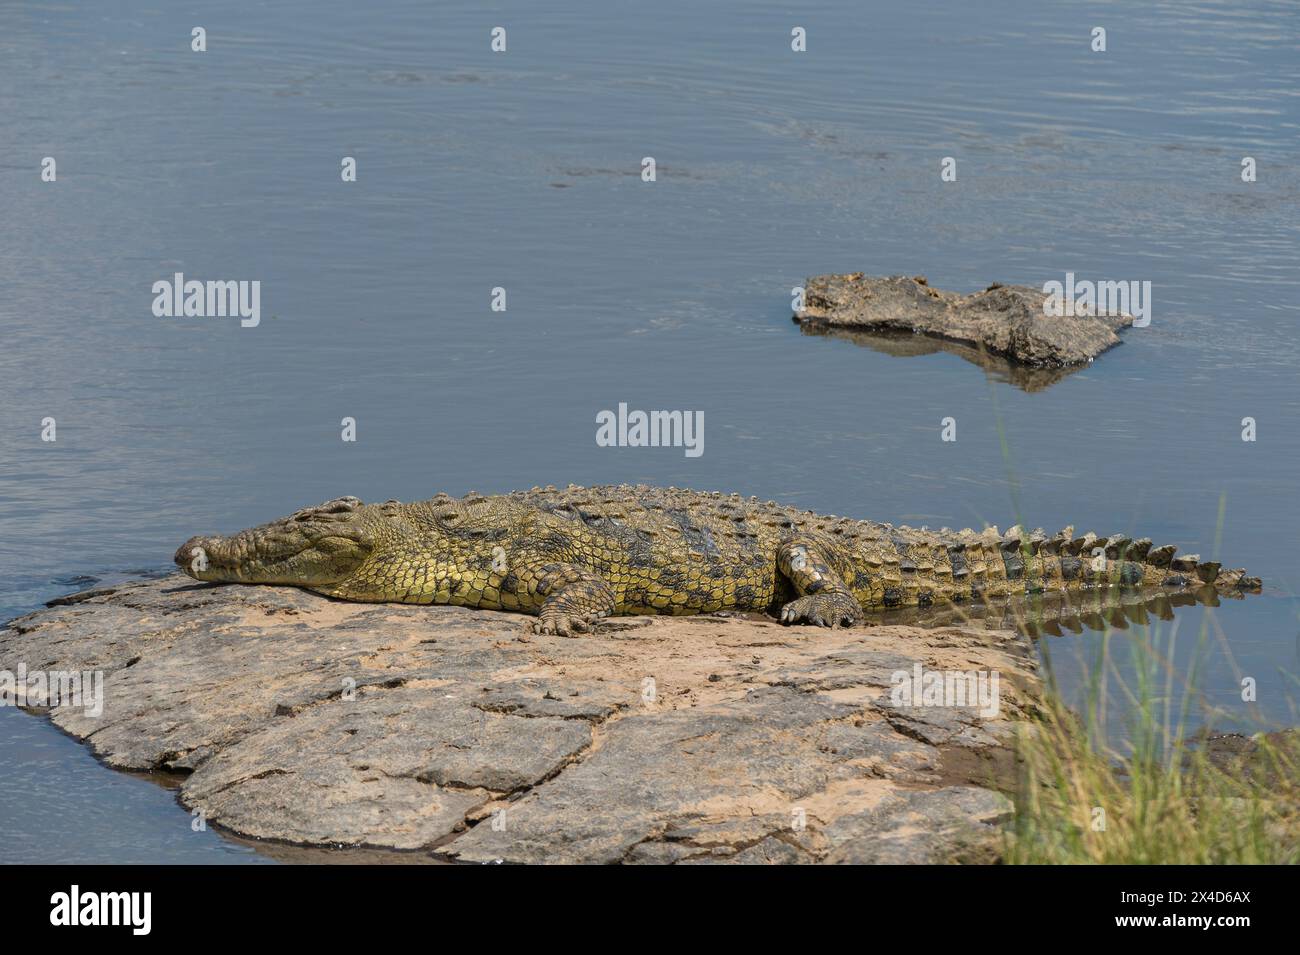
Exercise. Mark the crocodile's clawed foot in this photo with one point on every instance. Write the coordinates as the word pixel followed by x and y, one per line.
pixel 823 610
pixel 565 624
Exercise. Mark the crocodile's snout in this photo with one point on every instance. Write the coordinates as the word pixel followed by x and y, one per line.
pixel 187 551
pixel 316 546
pixel 214 557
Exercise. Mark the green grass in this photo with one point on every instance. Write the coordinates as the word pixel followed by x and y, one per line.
pixel 1160 796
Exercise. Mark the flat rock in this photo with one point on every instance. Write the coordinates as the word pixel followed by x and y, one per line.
pixel 1006 322
pixel 302 720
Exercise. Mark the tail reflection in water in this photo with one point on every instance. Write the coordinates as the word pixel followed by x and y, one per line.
pixel 1039 615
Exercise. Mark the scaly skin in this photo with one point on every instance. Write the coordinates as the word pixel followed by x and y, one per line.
pixel 573 556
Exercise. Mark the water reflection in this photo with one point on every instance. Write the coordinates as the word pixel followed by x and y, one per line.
pixel 908 345
pixel 1055 614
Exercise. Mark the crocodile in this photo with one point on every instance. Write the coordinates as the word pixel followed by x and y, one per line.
pixel 574 556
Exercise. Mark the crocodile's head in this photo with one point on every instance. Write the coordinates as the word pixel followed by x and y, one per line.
pixel 315 547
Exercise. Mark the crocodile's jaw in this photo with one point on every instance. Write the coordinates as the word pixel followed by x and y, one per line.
pixel 324 563
pixel 317 547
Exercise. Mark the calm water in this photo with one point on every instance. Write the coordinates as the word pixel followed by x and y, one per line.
pixel 521 170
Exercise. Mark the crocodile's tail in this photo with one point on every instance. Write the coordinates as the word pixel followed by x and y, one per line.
pixel 1117 560
pixel 907 567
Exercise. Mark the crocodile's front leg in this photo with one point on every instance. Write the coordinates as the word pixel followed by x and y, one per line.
pixel 825 600
pixel 571 598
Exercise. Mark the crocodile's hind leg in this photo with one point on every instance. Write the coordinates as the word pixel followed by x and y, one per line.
pixel 825 600
pixel 572 598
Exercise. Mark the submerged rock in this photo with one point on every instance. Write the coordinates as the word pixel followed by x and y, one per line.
pixel 456 732
pixel 1003 321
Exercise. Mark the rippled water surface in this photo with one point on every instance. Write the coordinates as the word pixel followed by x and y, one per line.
pixel 521 170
